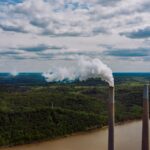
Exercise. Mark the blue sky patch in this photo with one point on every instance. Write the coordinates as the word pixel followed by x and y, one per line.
pixel 141 33
pixel 10 1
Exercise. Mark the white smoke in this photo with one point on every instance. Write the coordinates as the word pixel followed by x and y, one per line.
pixel 14 73
pixel 86 68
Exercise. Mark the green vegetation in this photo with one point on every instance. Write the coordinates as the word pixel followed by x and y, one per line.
pixel 34 113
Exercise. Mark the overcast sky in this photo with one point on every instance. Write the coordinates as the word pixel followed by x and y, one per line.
pixel 37 34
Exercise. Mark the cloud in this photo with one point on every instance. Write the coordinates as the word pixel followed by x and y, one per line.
pixel 10 26
pixel 138 34
pixel 41 51
pixel 47 30
pixel 17 25
pixel 66 18
pixel 72 17
pixel 8 53
pixel 37 48
pixel 147 59
pixel 12 53
pixel 40 47
pixel 65 54
pixel 129 53
pixel 44 52
pixel 107 2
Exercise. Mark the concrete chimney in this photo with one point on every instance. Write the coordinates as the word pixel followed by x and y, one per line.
pixel 145 127
pixel 111 118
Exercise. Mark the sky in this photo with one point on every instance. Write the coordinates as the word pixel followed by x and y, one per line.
pixel 38 34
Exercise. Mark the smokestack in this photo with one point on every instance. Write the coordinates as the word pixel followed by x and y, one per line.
pixel 145 128
pixel 111 119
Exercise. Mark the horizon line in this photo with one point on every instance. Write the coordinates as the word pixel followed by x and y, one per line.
pixel 112 72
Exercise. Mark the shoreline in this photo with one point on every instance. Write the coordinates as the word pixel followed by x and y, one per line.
pixel 94 129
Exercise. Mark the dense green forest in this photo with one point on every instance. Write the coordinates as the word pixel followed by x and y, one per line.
pixel 33 113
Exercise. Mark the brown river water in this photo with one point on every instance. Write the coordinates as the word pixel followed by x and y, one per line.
pixel 127 137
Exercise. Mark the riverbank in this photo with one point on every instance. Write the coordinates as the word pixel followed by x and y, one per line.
pixel 94 139
pixel 88 131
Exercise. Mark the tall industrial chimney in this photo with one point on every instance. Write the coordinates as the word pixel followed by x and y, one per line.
pixel 145 128
pixel 111 118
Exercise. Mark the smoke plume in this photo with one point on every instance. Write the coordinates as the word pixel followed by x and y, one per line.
pixel 86 68
pixel 14 73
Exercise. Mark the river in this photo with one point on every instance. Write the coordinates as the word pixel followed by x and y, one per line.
pixel 127 137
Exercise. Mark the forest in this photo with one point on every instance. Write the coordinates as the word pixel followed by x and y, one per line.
pixel 36 112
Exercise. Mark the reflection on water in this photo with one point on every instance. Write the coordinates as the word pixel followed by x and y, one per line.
pixel 127 137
